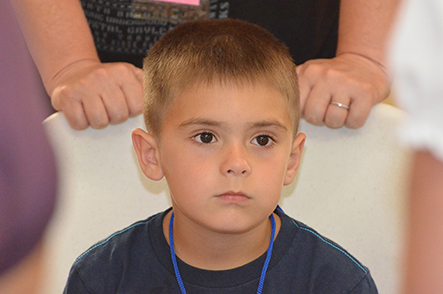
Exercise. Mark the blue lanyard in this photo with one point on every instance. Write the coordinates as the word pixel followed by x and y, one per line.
pixel 263 271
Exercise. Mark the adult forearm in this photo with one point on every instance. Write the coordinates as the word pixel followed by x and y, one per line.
pixel 365 26
pixel 424 260
pixel 57 35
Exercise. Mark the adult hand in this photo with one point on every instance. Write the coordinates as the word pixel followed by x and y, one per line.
pixel 96 94
pixel 350 80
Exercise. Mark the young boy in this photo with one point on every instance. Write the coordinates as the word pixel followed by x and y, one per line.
pixel 222 111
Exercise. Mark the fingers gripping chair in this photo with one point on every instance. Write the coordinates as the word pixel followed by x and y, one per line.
pixel 350 188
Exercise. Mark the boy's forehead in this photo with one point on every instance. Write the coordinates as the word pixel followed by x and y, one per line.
pixel 222 91
pixel 217 88
pixel 225 85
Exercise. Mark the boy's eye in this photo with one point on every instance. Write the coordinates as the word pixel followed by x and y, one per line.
pixel 262 140
pixel 205 138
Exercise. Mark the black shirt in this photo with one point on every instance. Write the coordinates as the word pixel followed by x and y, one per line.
pixel 308 27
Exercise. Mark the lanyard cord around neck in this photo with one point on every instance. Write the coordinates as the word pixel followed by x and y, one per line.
pixel 263 271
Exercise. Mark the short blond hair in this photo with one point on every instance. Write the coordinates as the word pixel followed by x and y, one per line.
pixel 209 51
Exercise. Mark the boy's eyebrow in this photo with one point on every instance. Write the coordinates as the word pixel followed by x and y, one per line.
pixel 208 122
pixel 268 123
pixel 199 121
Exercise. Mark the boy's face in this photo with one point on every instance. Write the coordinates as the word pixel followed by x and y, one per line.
pixel 226 152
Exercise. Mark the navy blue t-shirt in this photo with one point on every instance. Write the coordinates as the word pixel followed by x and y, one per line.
pixel 137 260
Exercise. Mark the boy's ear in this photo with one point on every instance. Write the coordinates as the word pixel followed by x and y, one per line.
pixel 148 155
pixel 294 158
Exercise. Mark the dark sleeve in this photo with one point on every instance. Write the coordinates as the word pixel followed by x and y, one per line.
pixel 75 284
pixel 27 167
pixel 366 286
pixel 97 271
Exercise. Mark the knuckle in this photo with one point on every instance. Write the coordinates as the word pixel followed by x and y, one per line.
pixel 313 69
pixel 353 126
pixel 334 124
pixel 98 120
pixel 79 126
pixel 369 92
pixel 355 123
pixel 335 75
pixel 335 119
pixel 99 124
pixel 64 91
pixel 136 107
pixel 314 119
pixel 368 87
pixel 100 73
pixel 119 117
pixel 64 97
pixel 122 69
pixel 75 122
pixel 134 111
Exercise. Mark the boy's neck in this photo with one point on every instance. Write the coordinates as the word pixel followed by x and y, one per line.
pixel 209 250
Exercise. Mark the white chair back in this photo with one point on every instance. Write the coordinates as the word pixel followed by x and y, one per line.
pixel 351 188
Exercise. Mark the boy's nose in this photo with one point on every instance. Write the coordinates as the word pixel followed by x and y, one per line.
pixel 236 162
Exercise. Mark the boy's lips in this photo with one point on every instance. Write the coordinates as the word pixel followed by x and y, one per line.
pixel 231 196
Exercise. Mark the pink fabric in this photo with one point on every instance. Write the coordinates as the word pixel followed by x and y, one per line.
pixel 187 2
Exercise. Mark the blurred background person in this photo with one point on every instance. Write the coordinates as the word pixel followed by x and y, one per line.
pixel 417 56
pixel 27 168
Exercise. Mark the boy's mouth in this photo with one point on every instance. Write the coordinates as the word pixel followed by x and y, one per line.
pixel 235 197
